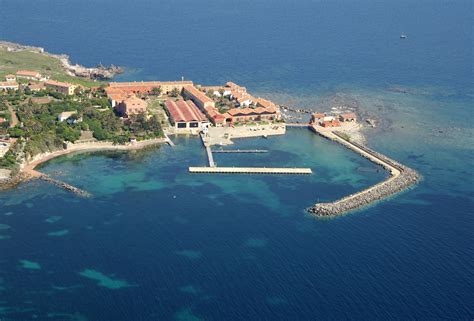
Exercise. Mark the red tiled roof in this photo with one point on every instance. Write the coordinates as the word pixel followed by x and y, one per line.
pixel 213 113
pixel 198 94
pixel 28 73
pixel 118 97
pixel 8 83
pixel 184 111
pixel 133 101
pixel 331 123
pixel 264 102
pixel 231 84
pixel 348 116
pixel 58 83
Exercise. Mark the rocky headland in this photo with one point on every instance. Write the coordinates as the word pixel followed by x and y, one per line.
pixel 99 72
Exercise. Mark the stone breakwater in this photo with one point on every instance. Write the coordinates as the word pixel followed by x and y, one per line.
pixel 64 186
pixel 401 178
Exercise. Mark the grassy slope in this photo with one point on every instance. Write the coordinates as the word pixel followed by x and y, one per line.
pixel 156 108
pixel 11 62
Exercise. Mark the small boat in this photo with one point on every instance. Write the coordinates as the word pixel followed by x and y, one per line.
pixel 265 136
pixel 403 36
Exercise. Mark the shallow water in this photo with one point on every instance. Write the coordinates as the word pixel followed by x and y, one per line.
pixel 171 245
pixel 156 243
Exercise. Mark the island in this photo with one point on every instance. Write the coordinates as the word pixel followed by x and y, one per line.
pixel 50 108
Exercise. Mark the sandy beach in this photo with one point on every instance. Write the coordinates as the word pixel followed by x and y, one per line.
pixel 29 167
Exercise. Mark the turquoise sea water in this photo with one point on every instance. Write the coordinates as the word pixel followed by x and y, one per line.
pixel 155 243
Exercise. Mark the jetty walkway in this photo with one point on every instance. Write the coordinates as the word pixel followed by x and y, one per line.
pixel 214 169
pixel 250 170
pixel 298 125
pixel 401 177
pixel 210 157
pixel 68 187
pixel 230 151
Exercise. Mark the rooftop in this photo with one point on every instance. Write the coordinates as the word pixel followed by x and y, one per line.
pixel 29 73
pixel 264 102
pixel 198 94
pixel 133 100
pixel 58 83
pixel 67 114
pixel 8 83
pixel 348 116
pixel 184 111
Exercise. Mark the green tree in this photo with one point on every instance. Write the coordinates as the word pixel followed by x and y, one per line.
pixel 175 92
pixel 156 91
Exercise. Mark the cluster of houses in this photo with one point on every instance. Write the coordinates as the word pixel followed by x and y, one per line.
pixel 37 82
pixel 249 108
pixel 194 109
pixel 124 96
pixel 328 121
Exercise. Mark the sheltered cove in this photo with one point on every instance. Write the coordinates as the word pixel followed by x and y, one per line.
pixel 401 178
pixel 193 109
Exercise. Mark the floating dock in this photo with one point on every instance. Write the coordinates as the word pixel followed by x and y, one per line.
pixel 240 151
pixel 250 170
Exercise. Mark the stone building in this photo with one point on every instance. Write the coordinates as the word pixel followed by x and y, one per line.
pixel 185 116
pixel 61 87
pixel 198 97
pixel 132 105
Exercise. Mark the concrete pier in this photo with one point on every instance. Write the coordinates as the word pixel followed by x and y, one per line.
pixel 249 170
pixel 297 125
pixel 223 151
pixel 210 157
pixel 401 178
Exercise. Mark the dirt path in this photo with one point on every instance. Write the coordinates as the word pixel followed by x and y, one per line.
pixel 14 121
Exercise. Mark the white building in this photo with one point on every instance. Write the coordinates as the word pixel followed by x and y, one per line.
pixel 10 78
pixel 4 85
pixel 329 118
pixel 66 116
pixel 29 74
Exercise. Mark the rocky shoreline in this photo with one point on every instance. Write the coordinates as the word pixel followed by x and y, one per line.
pixel 401 178
pixel 12 181
pixel 99 72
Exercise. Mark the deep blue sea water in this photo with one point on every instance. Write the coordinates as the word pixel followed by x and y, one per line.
pixel 155 243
